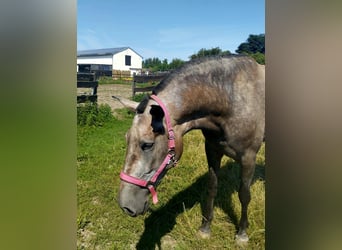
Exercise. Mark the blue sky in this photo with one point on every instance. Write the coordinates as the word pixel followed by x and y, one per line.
pixel 168 28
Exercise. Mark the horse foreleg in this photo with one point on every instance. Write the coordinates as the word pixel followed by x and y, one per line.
pixel 247 172
pixel 214 161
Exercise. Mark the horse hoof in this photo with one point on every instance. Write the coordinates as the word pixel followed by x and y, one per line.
pixel 203 235
pixel 241 238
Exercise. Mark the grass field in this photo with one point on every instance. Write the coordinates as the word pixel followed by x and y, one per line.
pixel 172 223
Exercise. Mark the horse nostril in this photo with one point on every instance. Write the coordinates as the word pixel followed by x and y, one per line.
pixel 129 212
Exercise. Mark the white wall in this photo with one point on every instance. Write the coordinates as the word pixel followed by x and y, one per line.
pixel 108 60
pixel 119 61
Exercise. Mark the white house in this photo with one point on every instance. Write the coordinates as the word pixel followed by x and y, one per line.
pixel 123 59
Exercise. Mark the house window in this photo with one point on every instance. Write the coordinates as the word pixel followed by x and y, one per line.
pixel 128 60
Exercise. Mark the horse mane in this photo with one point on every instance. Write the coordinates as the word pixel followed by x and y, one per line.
pixel 188 66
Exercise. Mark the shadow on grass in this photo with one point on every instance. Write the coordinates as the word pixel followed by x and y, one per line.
pixel 162 221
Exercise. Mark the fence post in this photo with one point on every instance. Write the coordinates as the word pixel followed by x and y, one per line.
pixel 133 88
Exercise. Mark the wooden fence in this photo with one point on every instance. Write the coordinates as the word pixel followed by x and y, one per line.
pixel 87 80
pixel 136 89
pixel 152 79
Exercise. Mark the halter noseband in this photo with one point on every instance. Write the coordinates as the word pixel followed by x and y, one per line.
pixel 169 159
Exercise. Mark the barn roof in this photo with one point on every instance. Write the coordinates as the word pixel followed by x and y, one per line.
pixel 102 52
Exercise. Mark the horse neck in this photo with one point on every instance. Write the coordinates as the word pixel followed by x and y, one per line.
pixel 191 108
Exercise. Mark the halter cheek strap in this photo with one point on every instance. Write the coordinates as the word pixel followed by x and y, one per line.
pixel 171 142
pixel 141 183
pixel 169 159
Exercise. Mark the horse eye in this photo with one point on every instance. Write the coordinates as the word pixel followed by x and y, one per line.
pixel 147 146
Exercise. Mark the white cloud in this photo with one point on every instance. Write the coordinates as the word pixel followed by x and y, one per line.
pixel 88 39
pixel 91 39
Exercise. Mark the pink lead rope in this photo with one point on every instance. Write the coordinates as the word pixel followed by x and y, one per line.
pixel 150 184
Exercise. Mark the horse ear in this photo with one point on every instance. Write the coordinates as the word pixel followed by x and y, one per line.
pixel 127 103
pixel 142 105
pixel 157 119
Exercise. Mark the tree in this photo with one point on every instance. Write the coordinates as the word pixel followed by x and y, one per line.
pixel 152 64
pixel 254 44
pixel 164 66
pixel 209 52
pixel 254 47
pixel 175 63
pixel 155 64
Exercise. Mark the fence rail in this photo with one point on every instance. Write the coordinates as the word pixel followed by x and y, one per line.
pixel 87 80
pixel 151 78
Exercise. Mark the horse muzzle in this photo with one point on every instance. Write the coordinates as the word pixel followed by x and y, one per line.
pixel 133 212
pixel 133 200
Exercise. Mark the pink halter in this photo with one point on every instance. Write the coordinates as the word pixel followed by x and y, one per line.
pixel 169 159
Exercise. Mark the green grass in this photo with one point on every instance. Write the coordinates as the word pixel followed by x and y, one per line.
pixel 174 221
pixel 110 80
pixel 126 81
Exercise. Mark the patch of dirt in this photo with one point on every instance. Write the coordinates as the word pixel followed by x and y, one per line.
pixel 85 238
pixel 168 242
pixel 106 91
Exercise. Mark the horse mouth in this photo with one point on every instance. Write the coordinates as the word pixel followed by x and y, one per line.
pixel 146 207
pixel 129 212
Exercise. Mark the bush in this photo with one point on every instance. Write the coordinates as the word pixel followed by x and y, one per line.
pixel 91 114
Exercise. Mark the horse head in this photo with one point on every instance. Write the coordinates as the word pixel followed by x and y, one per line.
pixel 150 153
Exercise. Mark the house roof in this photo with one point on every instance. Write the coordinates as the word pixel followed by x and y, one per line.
pixel 102 52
